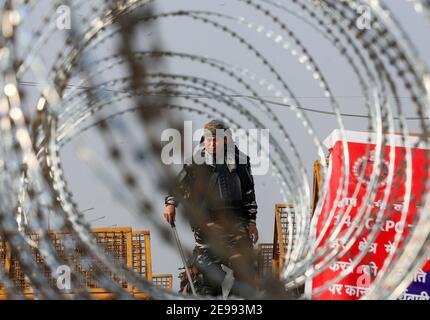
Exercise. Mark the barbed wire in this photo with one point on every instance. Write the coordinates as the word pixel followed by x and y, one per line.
pixel 382 58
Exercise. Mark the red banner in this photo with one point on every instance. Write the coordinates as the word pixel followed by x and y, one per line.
pixel 361 167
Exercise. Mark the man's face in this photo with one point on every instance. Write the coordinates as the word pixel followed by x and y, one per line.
pixel 213 144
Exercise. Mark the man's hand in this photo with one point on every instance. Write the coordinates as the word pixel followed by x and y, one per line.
pixel 169 213
pixel 253 232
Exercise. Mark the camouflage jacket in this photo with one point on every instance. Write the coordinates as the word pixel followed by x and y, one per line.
pixel 192 183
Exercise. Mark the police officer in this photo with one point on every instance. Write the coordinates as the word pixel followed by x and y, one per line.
pixel 217 191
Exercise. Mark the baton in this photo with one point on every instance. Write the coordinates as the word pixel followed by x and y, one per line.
pixel 184 261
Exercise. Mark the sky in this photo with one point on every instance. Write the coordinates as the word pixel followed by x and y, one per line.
pixel 97 185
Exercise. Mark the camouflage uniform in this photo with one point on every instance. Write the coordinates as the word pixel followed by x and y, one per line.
pixel 223 199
